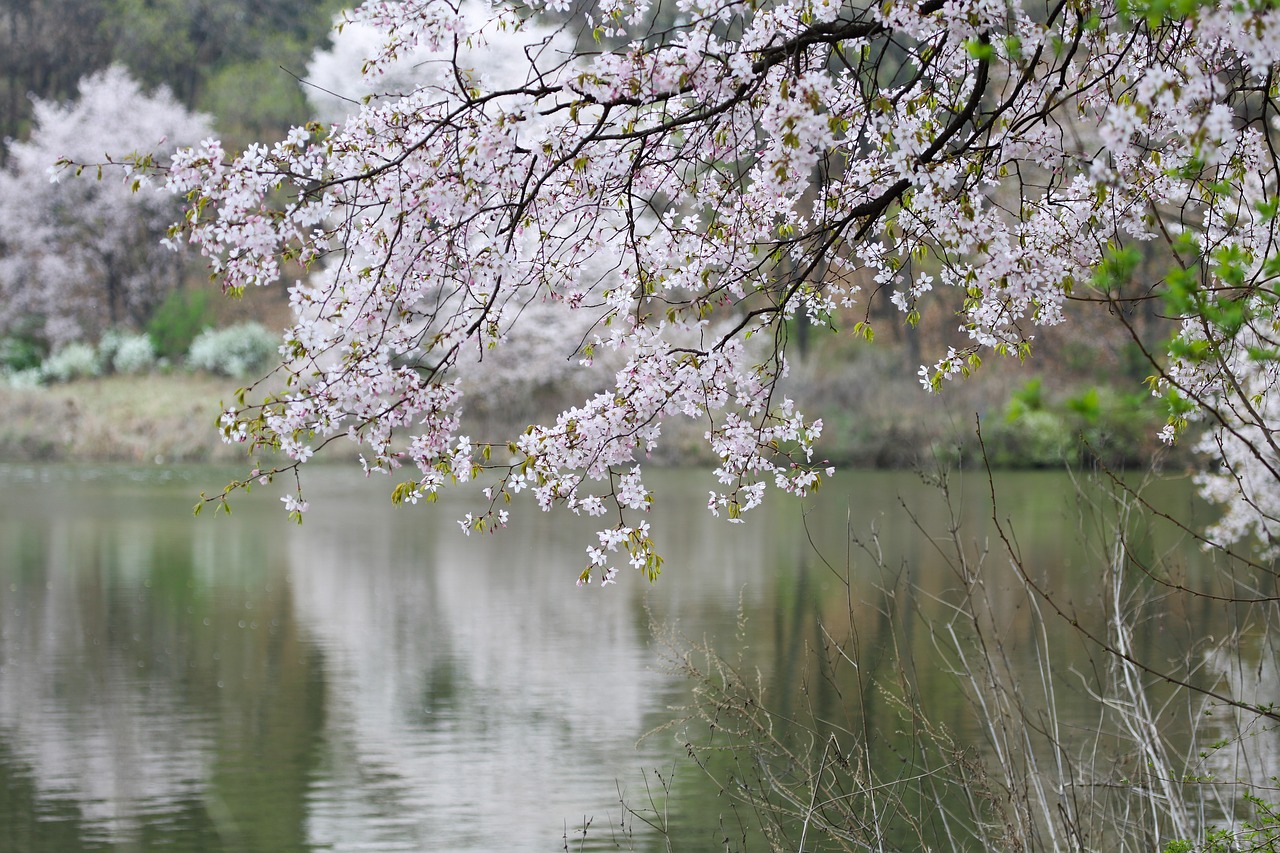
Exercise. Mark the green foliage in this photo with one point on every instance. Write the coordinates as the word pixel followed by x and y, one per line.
pixel 235 351
pixel 1157 12
pixel 1215 291
pixel 1119 428
pixel 199 49
pixel 1034 439
pixel 1025 400
pixel 184 43
pixel 980 49
pixel 19 352
pixel 1262 833
pixel 1117 268
pixel 253 99
pixel 1038 433
pixel 1086 405
pixel 175 324
pixel 1154 12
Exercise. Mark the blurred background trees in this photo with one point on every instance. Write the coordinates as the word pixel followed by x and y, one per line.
pixel 80 256
pixel 78 79
pixel 224 57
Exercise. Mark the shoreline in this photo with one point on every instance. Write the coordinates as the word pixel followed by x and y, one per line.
pixel 172 418
pixel 162 418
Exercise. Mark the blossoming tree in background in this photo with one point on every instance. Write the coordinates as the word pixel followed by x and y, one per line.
pixel 743 166
pixel 78 256
pixel 538 352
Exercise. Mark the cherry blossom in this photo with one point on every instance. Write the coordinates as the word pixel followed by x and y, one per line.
pixel 679 193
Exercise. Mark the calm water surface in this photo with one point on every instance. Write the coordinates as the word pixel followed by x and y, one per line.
pixel 376 681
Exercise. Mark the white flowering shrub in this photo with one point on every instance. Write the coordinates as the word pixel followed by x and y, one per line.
pixel 133 354
pixel 235 350
pixel 108 344
pixel 120 351
pixel 31 377
pixel 74 361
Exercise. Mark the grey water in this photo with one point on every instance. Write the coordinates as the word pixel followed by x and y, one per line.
pixel 375 680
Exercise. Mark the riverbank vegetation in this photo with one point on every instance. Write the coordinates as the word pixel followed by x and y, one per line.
pixel 133 404
pixel 158 418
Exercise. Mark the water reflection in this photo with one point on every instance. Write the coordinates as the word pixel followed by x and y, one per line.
pixel 467 684
pixel 376 681
pixel 145 679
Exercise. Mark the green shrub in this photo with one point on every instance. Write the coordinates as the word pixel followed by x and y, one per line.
pixel 180 318
pixel 1028 398
pixel 1124 428
pixel 253 99
pixel 1097 422
pixel 235 351
pixel 18 353
pixel 1034 439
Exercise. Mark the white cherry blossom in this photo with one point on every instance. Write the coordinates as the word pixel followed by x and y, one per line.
pixel 683 194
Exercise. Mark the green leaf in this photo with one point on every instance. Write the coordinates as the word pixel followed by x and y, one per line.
pixel 1116 268
pixel 980 49
pixel 1086 405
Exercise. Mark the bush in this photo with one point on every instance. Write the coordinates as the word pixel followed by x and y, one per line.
pixel 107 346
pixel 1117 429
pixel 134 354
pixel 122 352
pixel 176 323
pixel 74 361
pixel 1123 432
pixel 234 351
pixel 30 377
pixel 18 353
pixel 1034 439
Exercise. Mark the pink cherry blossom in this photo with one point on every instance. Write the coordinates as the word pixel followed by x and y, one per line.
pixel 676 199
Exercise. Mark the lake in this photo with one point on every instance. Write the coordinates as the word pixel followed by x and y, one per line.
pixel 375 681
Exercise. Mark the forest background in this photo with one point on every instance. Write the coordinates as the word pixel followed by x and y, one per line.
pixel 243 65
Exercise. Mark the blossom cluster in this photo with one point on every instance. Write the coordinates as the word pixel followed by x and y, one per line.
pixel 693 188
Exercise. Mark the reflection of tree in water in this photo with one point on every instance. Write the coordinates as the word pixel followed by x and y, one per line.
pixel 95 726
pixel 430 683
pixel 447 692
pixel 152 706
pixel 465 680
pixel 1246 754
pixel 61 823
